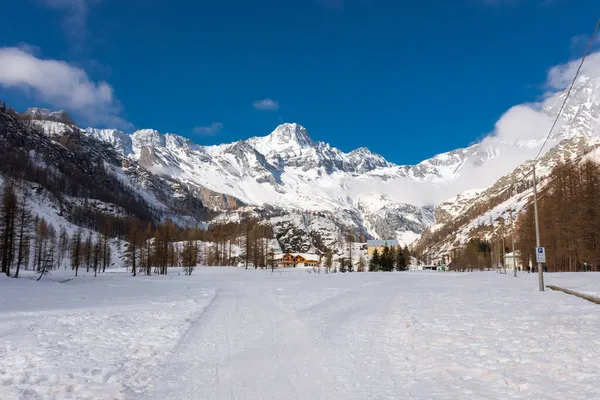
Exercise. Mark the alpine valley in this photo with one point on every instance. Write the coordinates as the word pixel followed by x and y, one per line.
pixel 310 192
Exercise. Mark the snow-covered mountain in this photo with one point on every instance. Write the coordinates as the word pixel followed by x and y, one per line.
pixel 481 213
pixel 288 173
pixel 285 170
pixel 485 214
pixel 79 172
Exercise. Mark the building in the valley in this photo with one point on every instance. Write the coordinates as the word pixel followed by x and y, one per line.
pixel 372 245
pixel 513 259
pixel 300 260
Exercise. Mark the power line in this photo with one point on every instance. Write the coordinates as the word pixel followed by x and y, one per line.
pixel 547 179
pixel 589 46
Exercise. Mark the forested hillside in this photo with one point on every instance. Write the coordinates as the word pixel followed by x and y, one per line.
pixel 569 214
pixel 569 217
pixel 70 201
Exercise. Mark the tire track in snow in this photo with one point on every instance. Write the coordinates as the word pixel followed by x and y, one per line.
pixel 340 311
pixel 304 348
pixel 349 329
pixel 200 366
pixel 333 301
pixel 196 322
pixel 247 347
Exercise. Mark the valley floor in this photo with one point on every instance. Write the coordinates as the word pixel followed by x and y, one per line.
pixel 227 333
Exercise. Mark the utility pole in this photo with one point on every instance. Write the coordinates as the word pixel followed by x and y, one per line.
pixel 492 245
pixel 512 238
pixel 503 254
pixel 537 230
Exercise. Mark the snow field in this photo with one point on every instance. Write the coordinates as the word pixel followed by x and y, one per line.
pixel 86 339
pixel 228 333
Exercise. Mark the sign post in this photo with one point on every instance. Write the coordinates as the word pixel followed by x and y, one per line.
pixel 540 255
pixel 537 234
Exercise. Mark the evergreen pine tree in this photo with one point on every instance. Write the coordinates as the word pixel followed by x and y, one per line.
pixel 374 261
pixel 385 262
pixel 342 262
pixel 400 261
pixel 392 261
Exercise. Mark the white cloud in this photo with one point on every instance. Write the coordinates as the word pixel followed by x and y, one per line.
pixel 516 138
pixel 266 105
pixel 522 122
pixel 60 84
pixel 210 130
pixel 76 16
pixel 560 76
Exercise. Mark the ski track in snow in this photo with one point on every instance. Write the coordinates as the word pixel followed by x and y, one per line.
pixel 240 335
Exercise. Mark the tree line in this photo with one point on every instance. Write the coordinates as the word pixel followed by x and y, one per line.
pixel 391 258
pixel 155 248
pixel 29 242
pixel 569 216
pixel 475 255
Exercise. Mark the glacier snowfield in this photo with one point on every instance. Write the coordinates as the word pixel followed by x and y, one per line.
pixel 228 333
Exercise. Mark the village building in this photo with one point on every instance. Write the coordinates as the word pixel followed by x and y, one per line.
pixel 513 259
pixel 295 260
pixel 379 245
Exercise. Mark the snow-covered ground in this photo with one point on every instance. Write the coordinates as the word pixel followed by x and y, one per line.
pixel 228 333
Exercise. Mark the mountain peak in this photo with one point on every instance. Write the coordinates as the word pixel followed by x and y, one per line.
pixel 361 151
pixel 148 137
pixel 365 160
pixel 291 133
pixel 43 114
pixel 286 138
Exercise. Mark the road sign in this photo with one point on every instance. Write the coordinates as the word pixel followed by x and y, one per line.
pixel 540 254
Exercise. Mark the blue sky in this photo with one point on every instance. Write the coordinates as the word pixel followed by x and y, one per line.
pixel 407 79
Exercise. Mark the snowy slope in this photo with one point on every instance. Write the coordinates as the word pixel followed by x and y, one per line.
pixel 483 214
pixel 227 333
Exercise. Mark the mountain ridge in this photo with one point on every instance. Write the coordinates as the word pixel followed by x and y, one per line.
pixel 288 171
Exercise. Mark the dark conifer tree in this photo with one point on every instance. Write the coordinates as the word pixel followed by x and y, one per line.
pixel 375 261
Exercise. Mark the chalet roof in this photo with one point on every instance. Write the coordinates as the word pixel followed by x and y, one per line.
pixel 307 256
pixel 382 243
